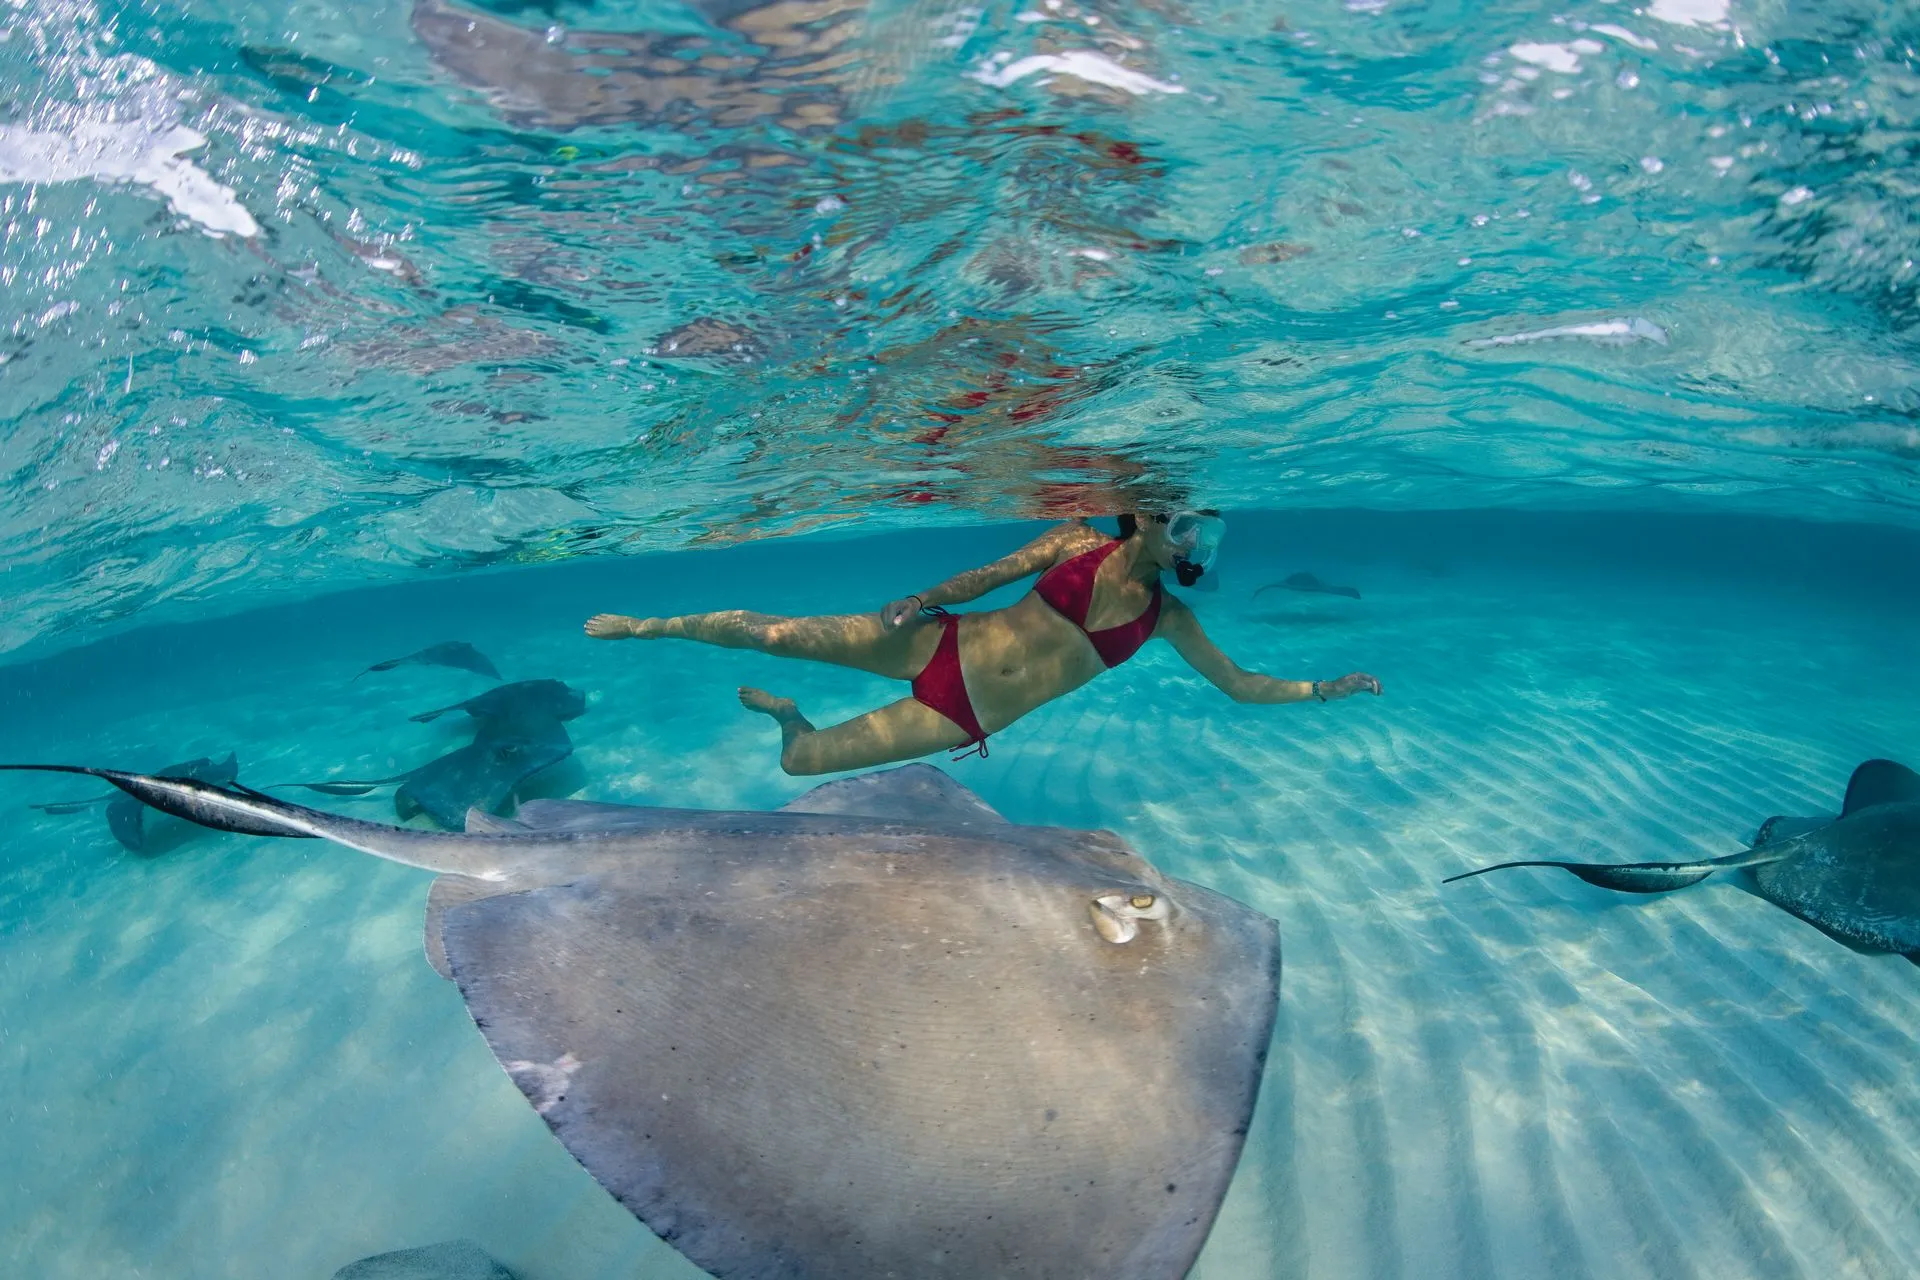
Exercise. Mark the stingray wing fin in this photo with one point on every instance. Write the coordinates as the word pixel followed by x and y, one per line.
pixel 448 892
pixel 471 659
pixel 1880 782
pixel 1782 827
pixel 912 793
pixel 481 823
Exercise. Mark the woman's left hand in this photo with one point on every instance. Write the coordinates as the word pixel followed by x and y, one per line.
pixel 1347 686
pixel 899 613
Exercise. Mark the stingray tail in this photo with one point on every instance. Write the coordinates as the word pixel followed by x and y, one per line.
pixel 340 786
pixel 1639 877
pixel 249 812
pixel 63 807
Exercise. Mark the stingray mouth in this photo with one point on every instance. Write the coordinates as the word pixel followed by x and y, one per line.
pixel 1117 916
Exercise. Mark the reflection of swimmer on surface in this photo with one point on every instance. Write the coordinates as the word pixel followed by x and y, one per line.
pixel 1098 600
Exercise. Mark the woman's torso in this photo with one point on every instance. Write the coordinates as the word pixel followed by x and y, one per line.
pixel 1027 654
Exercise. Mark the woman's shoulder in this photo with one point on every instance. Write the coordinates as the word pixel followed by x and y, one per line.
pixel 1078 533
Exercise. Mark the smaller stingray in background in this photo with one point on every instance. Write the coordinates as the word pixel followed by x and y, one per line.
pixel 487 774
pixel 1304 581
pixel 517 733
pixel 457 654
pixel 521 700
pixel 1855 877
pixel 126 817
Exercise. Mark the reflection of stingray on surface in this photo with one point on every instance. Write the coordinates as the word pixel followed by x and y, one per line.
pixel 518 734
pixel 815 1045
pixel 795 64
pixel 1307 582
pixel 457 654
pixel 127 817
pixel 1855 877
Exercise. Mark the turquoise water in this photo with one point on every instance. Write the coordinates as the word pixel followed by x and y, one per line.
pixel 1581 340
pixel 231 1059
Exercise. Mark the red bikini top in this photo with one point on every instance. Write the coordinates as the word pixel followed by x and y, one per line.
pixel 1068 587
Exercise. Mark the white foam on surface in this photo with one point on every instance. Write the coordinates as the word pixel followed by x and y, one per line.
pixel 127 152
pixel 1082 64
pixel 233 1059
pixel 1616 332
pixel 1625 36
pixel 1690 13
pixel 1553 57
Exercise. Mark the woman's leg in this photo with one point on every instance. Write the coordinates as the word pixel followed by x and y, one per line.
pixel 904 730
pixel 847 640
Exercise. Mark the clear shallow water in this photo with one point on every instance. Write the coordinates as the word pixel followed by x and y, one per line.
pixel 233 1060
pixel 367 291
pixel 297 300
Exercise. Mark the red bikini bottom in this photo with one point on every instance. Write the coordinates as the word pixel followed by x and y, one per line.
pixel 941 686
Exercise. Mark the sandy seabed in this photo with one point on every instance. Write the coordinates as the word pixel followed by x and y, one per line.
pixel 232 1060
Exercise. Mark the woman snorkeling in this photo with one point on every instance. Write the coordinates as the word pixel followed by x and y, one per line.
pixel 1097 602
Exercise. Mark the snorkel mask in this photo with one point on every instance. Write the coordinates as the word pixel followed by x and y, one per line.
pixel 1195 536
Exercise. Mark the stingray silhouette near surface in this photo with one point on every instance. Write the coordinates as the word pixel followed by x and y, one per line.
pixel 457 654
pixel 519 733
pixel 127 817
pixel 882 1031
pixel 1855 877
pixel 1310 585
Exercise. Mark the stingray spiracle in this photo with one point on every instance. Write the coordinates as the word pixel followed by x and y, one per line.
pixel 1117 915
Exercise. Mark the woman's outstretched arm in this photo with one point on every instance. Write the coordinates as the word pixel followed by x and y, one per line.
pixel 1180 627
pixel 974 583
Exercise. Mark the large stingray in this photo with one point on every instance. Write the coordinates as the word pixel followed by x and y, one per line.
pixel 126 817
pixel 1855 877
pixel 457 654
pixel 903 1038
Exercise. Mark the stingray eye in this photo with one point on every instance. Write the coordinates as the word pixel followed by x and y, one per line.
pixel 1116 916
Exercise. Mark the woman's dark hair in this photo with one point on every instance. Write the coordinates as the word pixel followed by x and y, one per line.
pixel 1130 521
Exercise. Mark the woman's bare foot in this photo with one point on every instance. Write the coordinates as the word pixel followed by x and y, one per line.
pixel 618 626
pixel 785 710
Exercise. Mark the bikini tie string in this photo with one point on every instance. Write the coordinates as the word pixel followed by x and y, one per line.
pixel 963 751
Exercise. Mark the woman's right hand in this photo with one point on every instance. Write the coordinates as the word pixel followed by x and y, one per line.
pixel 611 626
pixel 1347 686
pixel 899 613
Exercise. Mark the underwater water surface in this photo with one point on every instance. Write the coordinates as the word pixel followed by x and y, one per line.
pixel 313 295
pixel 1580 341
